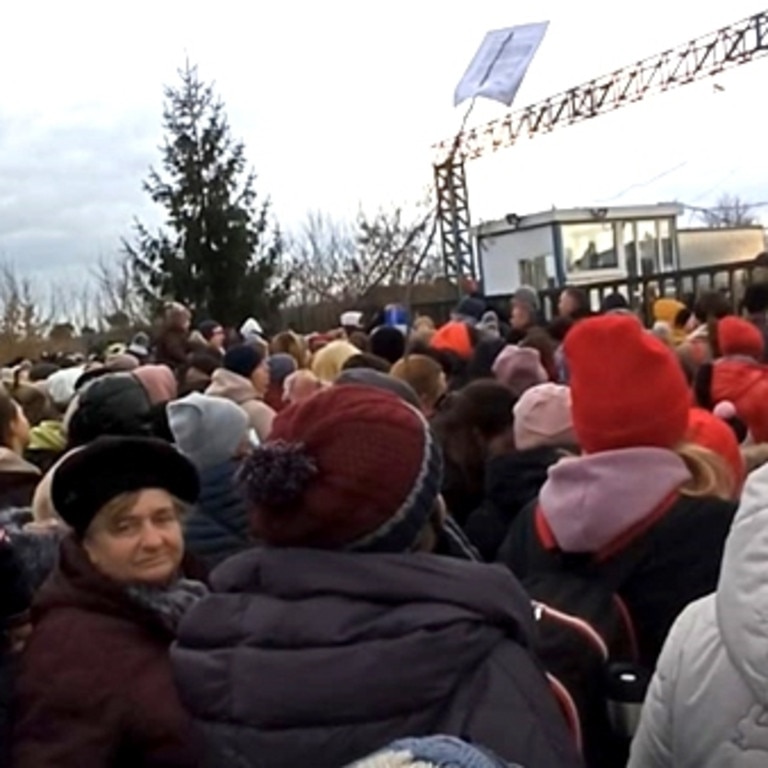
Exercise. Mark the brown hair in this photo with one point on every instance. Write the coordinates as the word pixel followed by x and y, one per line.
pixel 34 402
pixel 708 309
pixel 367 360
pixel 289 343
pixel 423 373
pixel 467 423
pixel 538 339
pixel 9 412
pixel 360 340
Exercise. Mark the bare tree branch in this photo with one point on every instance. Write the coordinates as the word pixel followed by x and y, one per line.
pixel 730 211
pixel 116 291
pixel 338 261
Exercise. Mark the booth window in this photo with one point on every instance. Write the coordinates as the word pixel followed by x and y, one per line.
pixel 589 247
pixel 648 247
pixel 667 246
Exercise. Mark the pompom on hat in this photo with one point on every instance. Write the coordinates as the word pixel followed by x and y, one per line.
pixel 351 468
pixel 628 389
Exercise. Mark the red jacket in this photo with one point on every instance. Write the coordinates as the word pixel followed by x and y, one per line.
pixel 745 384
pixel 95 688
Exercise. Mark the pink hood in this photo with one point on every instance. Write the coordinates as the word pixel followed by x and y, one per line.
pixel 590 501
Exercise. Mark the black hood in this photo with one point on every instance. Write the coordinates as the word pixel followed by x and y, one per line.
pixel 116 405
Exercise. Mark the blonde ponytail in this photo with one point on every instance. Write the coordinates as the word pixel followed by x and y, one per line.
pixel 710 474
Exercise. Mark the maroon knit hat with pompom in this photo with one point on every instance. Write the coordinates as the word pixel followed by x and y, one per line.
pixel 350 468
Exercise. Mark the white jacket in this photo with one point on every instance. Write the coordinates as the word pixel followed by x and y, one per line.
pixel 707 706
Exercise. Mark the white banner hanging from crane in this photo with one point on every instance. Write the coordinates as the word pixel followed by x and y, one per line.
pixel 500 63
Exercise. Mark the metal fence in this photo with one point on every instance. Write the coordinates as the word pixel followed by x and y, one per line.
pixel 640 292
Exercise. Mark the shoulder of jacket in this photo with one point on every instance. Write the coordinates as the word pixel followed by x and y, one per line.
pixel 687 507
pixel 80 633
pixel 690 632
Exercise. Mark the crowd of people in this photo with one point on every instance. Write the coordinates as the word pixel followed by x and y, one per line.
pixel 497 542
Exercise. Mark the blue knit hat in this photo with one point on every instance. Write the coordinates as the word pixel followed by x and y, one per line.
pixel 281 366
pixel 243 359
pixel 432 751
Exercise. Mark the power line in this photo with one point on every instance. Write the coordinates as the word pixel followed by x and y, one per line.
pixel 641 184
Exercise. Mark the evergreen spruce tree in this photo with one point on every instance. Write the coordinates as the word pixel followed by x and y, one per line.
pixel 218 253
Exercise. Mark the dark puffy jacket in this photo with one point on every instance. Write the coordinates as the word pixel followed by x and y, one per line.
pixel 453 542
pixel 116 404
pixel 218 526
pixel 327 656
pixel 512 482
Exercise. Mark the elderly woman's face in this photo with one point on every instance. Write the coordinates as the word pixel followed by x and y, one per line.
pixel 137 538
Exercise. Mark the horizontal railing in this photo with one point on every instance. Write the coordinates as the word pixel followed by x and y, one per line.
pixel 640 292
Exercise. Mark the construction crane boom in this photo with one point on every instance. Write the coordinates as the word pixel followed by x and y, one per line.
pixel 702 57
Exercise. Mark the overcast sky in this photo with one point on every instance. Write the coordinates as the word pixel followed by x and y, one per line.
pixel 338 103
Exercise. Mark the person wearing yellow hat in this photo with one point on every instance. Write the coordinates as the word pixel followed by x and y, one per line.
pixel 672 313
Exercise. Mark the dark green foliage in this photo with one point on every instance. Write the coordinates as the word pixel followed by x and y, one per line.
pixel 218 253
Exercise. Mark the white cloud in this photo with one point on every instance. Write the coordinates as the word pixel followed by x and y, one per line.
pixel 339 102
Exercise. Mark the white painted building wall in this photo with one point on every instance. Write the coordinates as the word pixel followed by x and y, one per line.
pixel 500 258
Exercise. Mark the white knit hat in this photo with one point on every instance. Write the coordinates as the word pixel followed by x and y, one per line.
pixel 351 319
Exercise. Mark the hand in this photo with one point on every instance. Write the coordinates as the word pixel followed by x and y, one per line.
pixel 18 637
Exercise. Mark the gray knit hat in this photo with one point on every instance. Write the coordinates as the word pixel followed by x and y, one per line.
pixel 207 430
pixel 527 296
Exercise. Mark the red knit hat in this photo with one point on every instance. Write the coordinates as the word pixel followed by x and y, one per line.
pixel 627 387
pixel 708 431
pixel 453 337
pixel 352 467
pixel 736 336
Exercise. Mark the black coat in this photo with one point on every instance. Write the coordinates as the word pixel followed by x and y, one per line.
pixel 512 482
pixel 218 526
pixel 7 674
pixel 15 597
pixel 333 655
pixel 659 573
pixel 459 495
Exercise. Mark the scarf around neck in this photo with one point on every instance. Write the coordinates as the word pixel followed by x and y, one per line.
pixel 169 603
